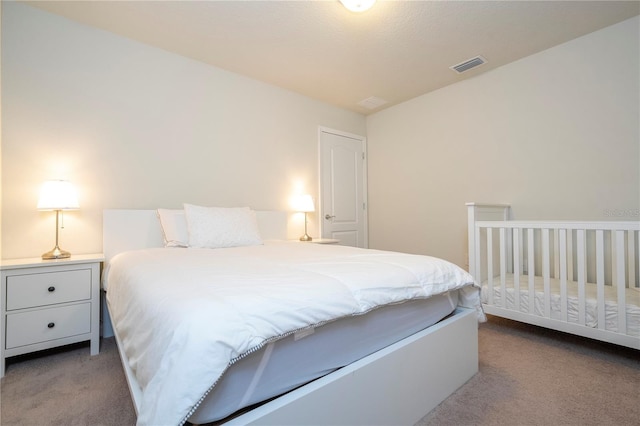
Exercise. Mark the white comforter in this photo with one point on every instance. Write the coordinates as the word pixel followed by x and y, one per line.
pixel 185 315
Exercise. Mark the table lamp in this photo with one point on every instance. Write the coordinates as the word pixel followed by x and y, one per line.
pixel 305 205
pixel 57 195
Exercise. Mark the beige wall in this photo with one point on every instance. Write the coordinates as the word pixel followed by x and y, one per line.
pixel 1 6
pixel 137 127
pixel 555 134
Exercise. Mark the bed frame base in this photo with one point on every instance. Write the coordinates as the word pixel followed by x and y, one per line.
pixel 397 385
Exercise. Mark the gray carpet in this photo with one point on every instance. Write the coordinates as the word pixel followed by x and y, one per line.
pixel 534 376
pixel 528 376
pixel 67 387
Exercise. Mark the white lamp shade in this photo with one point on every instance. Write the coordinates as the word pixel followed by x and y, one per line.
pixel 358 5
pixel 304 203
pixel 58 195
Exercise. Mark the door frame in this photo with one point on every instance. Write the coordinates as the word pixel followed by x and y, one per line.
pixel 365 190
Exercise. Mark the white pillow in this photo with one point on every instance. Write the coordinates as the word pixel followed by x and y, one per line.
pixel 218 227
pixel 174 228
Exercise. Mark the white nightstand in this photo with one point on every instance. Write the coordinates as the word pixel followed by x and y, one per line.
pixel 49 303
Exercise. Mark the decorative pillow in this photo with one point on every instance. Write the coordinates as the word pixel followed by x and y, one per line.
pixel 174 228
pixel 218 227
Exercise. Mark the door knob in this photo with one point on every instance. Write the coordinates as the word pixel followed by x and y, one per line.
pixel 328 216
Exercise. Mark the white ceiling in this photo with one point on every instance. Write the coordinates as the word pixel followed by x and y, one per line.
pixel 396 51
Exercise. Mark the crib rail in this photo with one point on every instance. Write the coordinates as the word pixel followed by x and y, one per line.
pixel 513 257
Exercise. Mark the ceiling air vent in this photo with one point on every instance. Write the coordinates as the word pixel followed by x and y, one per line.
pixel 468 64
pixel 372 102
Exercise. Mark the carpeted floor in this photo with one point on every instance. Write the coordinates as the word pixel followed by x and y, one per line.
pixel 528 376
pixel 534 376
pixel 67 387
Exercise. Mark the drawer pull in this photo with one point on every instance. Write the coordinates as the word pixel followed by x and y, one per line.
pixel 51 325
pixel 51 289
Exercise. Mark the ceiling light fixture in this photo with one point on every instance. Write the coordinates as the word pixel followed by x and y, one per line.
pixel 358 5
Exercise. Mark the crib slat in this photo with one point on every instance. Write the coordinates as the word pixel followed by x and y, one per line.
pixel 490 264
pixel 509 248
pixel 619 266
pixel 532 270
pixel 614 270
pixel 503 268
pixel 570 274
pixel 600 277
pixel 563 275
pixel 521 250
pixel 546 271
pixel 477 257
pixel 581 265
pixel 631 249
pixel 556 255
pixel 517 247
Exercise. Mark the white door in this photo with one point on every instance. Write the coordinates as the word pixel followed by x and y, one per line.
pixel 343 189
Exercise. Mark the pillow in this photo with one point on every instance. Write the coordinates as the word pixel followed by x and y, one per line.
pixel 174 228
pixel 218 227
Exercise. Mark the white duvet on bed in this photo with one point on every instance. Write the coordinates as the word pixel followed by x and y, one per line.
pixel 184 315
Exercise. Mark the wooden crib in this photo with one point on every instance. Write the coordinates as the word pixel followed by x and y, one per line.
pixel 577 277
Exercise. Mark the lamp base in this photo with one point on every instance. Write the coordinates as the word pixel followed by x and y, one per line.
pixel 306 237
pixel 56 253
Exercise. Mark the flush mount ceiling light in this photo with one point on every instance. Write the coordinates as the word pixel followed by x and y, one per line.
pixel 358 5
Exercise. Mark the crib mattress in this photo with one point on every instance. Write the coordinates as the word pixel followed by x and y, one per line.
pixel 290 362
pixel 632 298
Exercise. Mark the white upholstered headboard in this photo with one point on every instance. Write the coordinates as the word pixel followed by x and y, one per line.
pixel 124 230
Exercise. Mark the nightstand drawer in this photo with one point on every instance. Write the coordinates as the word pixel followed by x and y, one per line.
pixel 48 288
pixel 26 328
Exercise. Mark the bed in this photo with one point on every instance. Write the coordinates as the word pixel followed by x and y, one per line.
pixel 571 276
pixel 361 353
